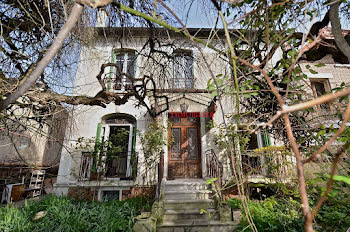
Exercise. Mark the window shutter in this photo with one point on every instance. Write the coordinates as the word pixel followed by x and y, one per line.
pixel 267 139
pixel 133 153
pixel 135 66
pixel 98 133
pixel 111 71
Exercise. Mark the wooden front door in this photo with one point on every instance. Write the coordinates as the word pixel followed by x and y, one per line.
pixel 184 156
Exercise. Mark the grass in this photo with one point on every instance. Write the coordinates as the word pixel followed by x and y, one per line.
pixel 64 214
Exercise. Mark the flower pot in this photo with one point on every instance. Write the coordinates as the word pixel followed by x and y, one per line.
pixel 145 223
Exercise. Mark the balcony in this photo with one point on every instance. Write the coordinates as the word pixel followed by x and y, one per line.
pixel 117 84
pixel 268 164
pixel 182 83
pixel 122 166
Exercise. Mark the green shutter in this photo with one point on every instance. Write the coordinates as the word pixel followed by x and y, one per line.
pixel 133 153
pixel 267 139
pixel 111 71
pixel 98 133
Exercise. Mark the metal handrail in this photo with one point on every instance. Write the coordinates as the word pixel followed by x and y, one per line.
pixel 214 166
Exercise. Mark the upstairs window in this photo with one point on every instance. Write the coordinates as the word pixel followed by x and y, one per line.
pixel 183 70
pixel 126 63
pixel 321 87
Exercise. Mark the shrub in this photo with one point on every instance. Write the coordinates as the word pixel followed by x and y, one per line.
pixel 64 214
pixel 272 215
pixel 283 214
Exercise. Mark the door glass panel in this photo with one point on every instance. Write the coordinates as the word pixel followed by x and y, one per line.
pixel 117 153
pixel 192 146
pixel 175 151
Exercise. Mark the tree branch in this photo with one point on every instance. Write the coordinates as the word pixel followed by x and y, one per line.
pixel 39 69
pixel 336 29
pixel 334 137
pixel 330 181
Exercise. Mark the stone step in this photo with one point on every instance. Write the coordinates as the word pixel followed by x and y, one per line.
pixel 187 194
pixel 178 185
pixel 174 187
pixel 190 204
pixel 197 226
pixel 193 214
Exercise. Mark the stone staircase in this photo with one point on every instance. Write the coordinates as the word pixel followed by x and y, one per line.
pixel 185 201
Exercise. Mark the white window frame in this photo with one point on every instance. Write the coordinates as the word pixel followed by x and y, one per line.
pixel 125 55
pixel 182 54
pixel 105 135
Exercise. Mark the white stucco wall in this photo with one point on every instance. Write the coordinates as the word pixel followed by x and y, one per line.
pixel 85 119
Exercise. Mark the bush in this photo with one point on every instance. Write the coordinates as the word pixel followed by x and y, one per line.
pixel 272 215
pixel 64 214
pixel 285 215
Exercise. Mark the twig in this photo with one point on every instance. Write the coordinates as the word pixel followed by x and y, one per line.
pixel 306 105
pixel 330 181
pixel 334 137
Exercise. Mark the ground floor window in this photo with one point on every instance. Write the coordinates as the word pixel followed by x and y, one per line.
pixel 108 195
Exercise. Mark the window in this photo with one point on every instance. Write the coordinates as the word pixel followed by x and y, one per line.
pixel 126 63
pixel 117 154
pixel 24 143
pixel 111 195
pixel 183 70
pixel 118 157
pixel 261 139
pixel 321 87
pixel 253 164
pixel 86 164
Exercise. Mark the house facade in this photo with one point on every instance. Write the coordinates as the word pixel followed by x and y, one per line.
pixel 186 107
pixel 177 99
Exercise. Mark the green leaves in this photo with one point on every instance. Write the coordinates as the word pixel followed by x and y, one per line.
pixel 341 178
pixel 319 65
pixel 64 214
pixel 311 70
pixel 203 211
pixel 211 181
pixel 221 85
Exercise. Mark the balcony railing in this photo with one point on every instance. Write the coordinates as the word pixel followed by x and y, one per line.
pixel 271 164
pixel 214 166
pixel 117 84
pixel 123 165
pixel 182 83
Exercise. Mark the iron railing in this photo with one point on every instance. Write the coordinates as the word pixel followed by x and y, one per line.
pixel 272 164
pixel 123 165
pixel 182 83
pixel 117 83
pixel 214 166
pixel 160 176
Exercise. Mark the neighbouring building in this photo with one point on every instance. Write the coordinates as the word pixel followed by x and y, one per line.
pixel 27 145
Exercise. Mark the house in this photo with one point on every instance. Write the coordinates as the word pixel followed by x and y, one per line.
pixel 187 110
pixel 30 145
pixel 184 110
